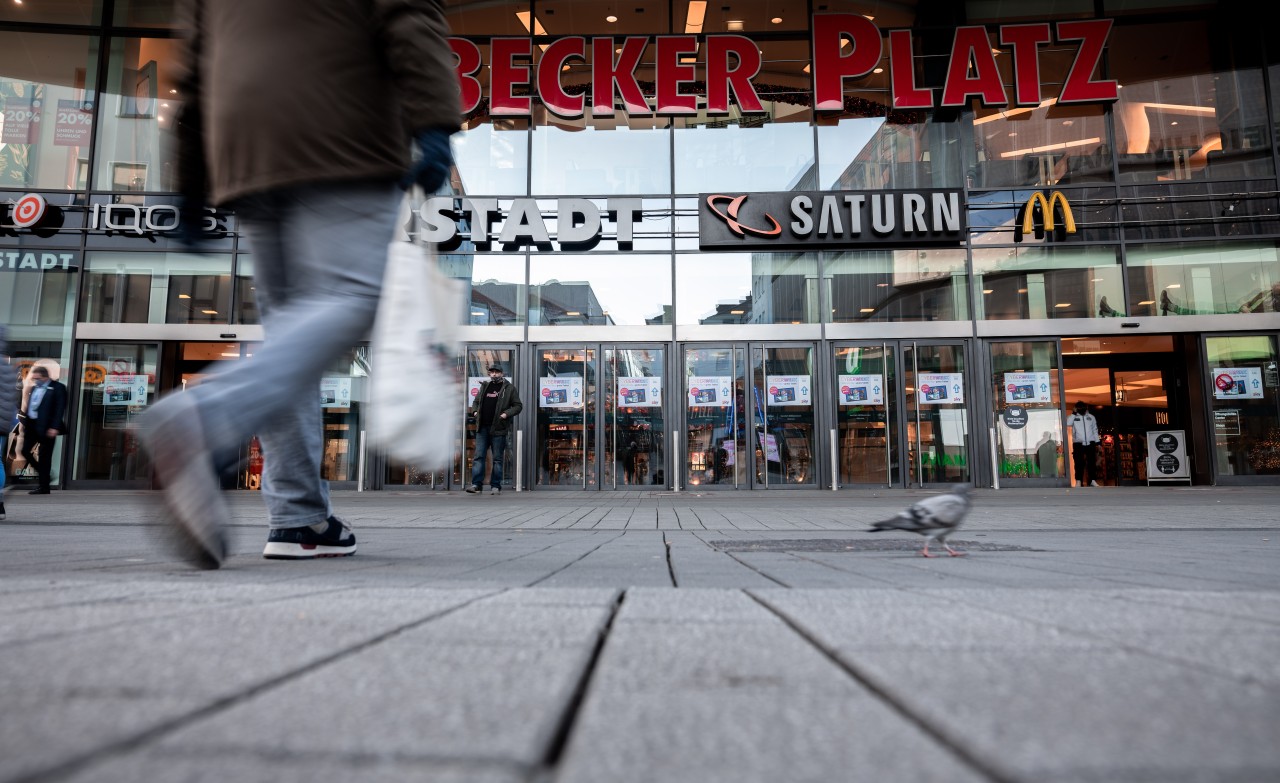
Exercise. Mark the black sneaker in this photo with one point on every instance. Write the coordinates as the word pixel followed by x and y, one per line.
pixel 304 543
pixel 1 511
pixel 473 489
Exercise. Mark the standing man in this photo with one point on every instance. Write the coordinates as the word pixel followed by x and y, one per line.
pixel 309 112
pixel 496 404
pixel 44 421
pixel 1084 444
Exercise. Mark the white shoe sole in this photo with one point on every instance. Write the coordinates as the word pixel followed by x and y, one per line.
pixel 275 550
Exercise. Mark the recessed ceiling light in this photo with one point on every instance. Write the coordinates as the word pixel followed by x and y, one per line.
pixel 734 25
pixel 1174 285
pixel 988 290
pixel 1063 304
pixel 867 310
pixel 1022 290
pixel 1012 134
pixel 776 20
pixel 1149 301
pixel 611 18
pixel 878 70
pixel 737 312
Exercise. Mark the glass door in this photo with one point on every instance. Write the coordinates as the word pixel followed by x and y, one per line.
pixel 478 361
pixel 118 382
pixel 714 388
pixel 565 401
pixel 1032 448
pixel 782 407
pixel 867 414
pixel 939 444
pixel 634 427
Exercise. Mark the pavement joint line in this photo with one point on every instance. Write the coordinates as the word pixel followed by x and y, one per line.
pixel 573 707
pixel 734 556
pixel 169 726
pixel 576 560
pixel 671 570
pixel 936 733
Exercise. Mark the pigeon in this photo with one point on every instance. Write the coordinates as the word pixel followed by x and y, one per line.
pixel 935 517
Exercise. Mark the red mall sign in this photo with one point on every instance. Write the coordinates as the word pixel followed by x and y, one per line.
pixel 732 61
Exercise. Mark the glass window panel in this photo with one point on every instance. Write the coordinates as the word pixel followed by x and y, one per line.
pixel 629 290
pixel 492 158
pixel 156 288
pixel 896 285
pixel 1177 279
pixel 46 109
pixel 1001 12
pixel 145 13
pixel 760 16
pixel 39 297
pixel 1181 114
pixel 495 17
pixel 601 155
pixel 1047 282
pixel 497 286
pixel 60 12
pixel 136 146
pixel 1246 429
pixel 245 305
pixel 872 152
pixel 747 288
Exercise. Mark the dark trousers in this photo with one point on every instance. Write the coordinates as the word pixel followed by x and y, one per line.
pixel 488 441
pixel 41 459
pixel 1085 458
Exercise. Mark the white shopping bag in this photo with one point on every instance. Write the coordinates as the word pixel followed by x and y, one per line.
pixel 415 388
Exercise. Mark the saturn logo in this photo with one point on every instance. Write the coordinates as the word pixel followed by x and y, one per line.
pixel 731 218
pixel 29 210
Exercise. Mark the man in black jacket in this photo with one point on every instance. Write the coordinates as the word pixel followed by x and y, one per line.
pixel 43 422
pixel 495 405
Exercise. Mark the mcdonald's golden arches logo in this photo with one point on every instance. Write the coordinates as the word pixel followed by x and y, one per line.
pixel 1042 214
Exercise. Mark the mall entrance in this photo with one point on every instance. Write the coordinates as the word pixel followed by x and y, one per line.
pixel 1133 385
pixel 902 416
pixel 599 417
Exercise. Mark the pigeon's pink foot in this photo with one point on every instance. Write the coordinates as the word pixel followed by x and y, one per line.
pixel 954 553
pixel 925 553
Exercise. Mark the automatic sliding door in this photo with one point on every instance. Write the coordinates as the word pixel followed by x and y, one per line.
pixel 634 425
pixel 938 439
pixel 714 386
pixel 867 423
pixel 566 423
pixel 783 411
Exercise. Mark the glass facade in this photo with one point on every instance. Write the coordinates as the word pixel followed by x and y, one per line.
pixel 1167 225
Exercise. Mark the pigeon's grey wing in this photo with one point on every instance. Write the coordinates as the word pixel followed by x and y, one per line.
pixel 941 510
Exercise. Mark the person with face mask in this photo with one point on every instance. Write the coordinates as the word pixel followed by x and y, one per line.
pixel 1084 445
pixel 495 405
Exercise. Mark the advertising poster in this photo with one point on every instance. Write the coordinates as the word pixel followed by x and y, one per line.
pixel 769 445
pixel 124 390
pixel 710 391
pixel 560 392
pixel 1167 455
pixel 639 392
pixel 21 119
pixel 788 390
pixel 74 124
pixel 941 388
pixel 1024 387
pixel 335 392
pixel 861 389
pixel 1237 383
pixel 731 451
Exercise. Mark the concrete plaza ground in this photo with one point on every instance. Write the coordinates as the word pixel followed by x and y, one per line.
pixel 1090 635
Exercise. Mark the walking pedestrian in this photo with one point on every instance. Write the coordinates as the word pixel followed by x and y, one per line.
pixel 1084 445
pixel 42 422
pixel 495 405
pixel 10 392
pixel 308 114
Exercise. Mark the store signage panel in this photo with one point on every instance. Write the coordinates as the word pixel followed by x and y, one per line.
pixel 1025 387
pixel 805 220
pixel 728 63
pixel 1237 383
pixel 861 389
pixel 940 388
pixel 1167 455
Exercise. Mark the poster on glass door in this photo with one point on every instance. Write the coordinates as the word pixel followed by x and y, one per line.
pixel 788 390
pixel 1237 383
pixel 940 388
pixel 639 392
pixel 335 392
pixel 124 390
pixel 1023 387
pixel 560 392
pixel 710 391
pixel 861 389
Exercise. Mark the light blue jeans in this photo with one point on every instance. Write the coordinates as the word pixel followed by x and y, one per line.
pixel 319 252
